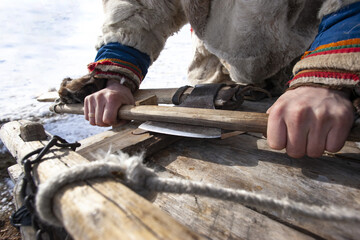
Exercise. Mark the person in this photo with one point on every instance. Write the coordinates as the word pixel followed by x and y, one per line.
pixel 249 42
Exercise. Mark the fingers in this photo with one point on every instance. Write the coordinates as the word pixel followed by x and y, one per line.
pixel 86 108
pixel 89 109
pixel 316 141
pixel 309 121
pixel 101 108
pixel 337 135
pixel 110 114
pixel 94 108
pixel 287 130
pixel 276 131
pixel 297 139
pixel 99 114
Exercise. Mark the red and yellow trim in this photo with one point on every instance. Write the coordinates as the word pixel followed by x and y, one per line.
pixel 117 63
pixel 345 46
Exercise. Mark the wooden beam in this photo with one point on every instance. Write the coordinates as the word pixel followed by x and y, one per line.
pixel 100 208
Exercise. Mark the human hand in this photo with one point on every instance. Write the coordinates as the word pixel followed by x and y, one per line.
pixel 101 108
pixel 310 120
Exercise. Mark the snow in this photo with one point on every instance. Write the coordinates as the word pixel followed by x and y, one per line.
pixel 44 41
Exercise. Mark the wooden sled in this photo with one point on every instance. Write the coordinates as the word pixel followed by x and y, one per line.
pixel 106 209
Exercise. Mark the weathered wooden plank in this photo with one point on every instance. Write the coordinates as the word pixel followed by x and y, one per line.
pixel 246 162
pixel 125 138
pixel 96 209
pixel 221 219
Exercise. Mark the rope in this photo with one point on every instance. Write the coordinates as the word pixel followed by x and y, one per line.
pixel 137 176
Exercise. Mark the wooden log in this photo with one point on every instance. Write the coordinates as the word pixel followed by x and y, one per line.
pixel 14 172
pixel 27 232
pixel 96 209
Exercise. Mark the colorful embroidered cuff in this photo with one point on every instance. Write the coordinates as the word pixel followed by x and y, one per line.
pixel 333 58
pixel 125 64
pixel 342 55
pixel 331 79
pixel 335 64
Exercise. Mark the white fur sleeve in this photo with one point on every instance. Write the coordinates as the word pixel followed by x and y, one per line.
pixel 142 24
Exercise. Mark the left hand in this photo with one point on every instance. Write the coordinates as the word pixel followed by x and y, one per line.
pixel 105 104
pixel 310 120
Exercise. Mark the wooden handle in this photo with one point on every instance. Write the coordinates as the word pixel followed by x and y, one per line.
pixel 224 119
pixel 164 95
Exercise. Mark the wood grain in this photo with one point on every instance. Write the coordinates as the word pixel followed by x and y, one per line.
pixel 96 209
pixel 246 162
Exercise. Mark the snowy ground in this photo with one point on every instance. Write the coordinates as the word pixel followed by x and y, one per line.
pixel 44 41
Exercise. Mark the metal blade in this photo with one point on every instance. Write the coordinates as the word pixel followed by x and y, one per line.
pixel 181 129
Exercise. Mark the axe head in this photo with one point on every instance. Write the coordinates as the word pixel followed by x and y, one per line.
pixel 182 130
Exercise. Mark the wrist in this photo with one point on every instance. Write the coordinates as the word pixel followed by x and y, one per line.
pixel 112 82
pixel 116 84
pixel 344 92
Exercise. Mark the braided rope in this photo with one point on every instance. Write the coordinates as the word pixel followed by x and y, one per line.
pixel 137 176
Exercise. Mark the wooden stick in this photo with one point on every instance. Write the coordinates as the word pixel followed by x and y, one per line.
pixel 164 95
pixel 224 119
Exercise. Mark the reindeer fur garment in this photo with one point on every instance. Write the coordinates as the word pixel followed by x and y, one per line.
pixel 255 38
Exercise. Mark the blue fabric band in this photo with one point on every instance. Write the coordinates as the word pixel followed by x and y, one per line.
pixel 341 25
pixel 124 53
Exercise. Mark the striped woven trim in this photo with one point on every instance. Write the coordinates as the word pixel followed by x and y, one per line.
pixel 347 62
pixel 340 79
pixel 118 63
pixel 345 46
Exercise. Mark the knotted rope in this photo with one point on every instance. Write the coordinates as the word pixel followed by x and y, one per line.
pixel 138 177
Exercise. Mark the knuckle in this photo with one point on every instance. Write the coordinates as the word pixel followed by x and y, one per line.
pixel 109 121
pixel 347 114
pixel 300 110
pixel 321 113
pixel 299 115
pixel 277 110
pixel 98 97
pixel 112 97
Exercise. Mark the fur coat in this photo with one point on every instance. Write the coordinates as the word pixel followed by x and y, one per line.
pixel 251 42
pixel 254 40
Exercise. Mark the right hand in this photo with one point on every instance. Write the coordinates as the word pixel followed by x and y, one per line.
pixel 310 120
pixel 101 108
